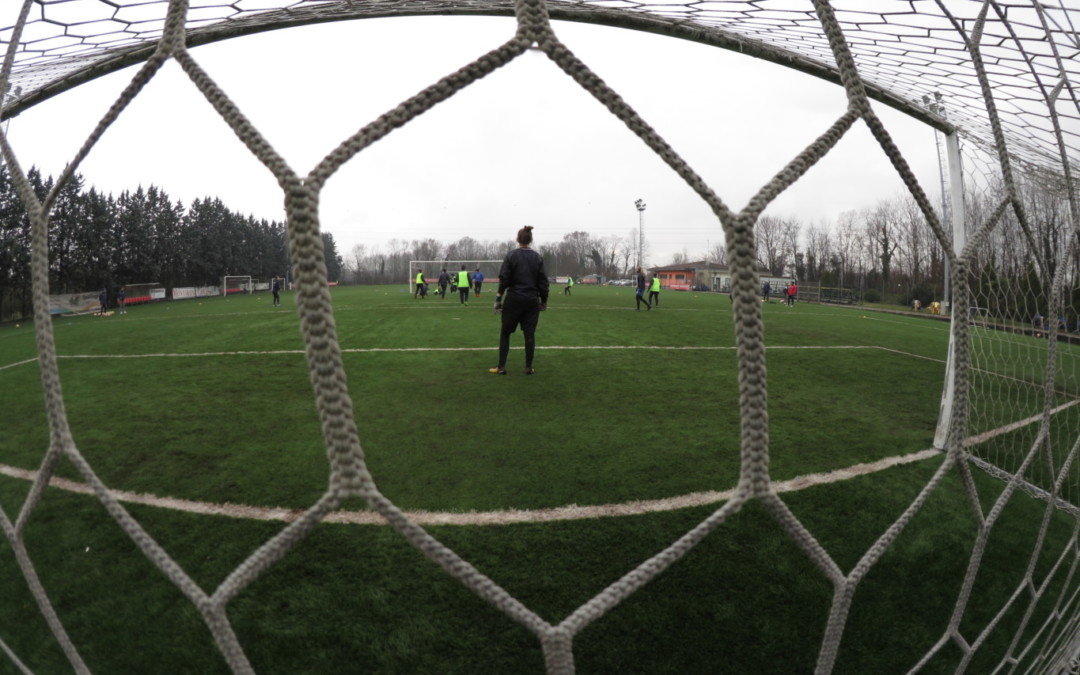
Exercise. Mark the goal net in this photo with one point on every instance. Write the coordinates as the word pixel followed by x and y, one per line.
pixel 999 82
pixel 236 285
pixel 135 294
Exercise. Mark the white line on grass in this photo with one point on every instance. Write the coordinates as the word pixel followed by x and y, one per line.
pixel 502 517
pixel 570 512
pixel 18 363
pixel 371 350
pixel 987 435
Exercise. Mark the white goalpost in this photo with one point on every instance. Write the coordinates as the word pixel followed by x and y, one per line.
pixel 135 294
pixel 236 284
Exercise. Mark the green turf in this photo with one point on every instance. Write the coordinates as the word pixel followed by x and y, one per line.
pixel 609 417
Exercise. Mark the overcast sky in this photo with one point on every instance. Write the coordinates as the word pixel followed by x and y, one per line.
pixel 523 146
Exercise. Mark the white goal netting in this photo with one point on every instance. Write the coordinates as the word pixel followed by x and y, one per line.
pixel 1011 116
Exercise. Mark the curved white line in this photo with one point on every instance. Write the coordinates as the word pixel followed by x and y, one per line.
pixel 502 517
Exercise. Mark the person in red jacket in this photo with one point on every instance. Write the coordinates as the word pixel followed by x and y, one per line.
pixel 792 289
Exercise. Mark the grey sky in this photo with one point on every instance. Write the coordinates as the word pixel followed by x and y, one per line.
pixel 525 145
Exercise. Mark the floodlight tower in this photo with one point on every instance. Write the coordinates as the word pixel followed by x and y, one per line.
pixel 938 108
pixel 640 204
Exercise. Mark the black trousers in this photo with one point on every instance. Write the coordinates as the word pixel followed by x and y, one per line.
pixel 526 313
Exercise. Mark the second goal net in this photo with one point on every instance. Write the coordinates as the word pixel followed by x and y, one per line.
pixel 135 294
pixel 233 285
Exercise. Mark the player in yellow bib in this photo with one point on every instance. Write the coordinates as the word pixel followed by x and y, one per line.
pixel 419 284
pixel 569 285
pixel 654 291
pixel 463 285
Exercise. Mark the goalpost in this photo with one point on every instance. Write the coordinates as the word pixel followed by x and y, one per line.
pixel 433 268
pixel 233 285
pixel 135 294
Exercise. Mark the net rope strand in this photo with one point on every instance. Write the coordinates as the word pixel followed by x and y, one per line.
pixel 1030 467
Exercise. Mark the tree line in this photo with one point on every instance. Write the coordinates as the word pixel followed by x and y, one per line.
pixel 884 252
pixel 141 236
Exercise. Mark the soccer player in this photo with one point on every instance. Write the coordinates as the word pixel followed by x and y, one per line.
pixel 654 291
pixel 419 284
pixel 478 280
pixel 121 300
pixel 463 285
pixel 766 290
pixel 569 285
pixel 275 286
pixel 792 289
pixel 103 299
pixel 444 281
pixel 525 285
pixel 640 295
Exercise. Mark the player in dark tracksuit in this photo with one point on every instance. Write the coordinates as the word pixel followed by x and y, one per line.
pixel 640 293
pixel 523 294
pixel 444 282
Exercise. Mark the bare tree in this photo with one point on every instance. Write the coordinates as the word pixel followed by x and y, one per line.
pixel 789 233
pixel 680 258
pixel 881 229
pixel 427 249
pixel 818 251
pixel 626 255
pixel 915 235
pixel 574 253
pixel 769 234
pixel 717 254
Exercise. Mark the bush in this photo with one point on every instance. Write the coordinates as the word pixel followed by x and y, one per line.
pixel 871 296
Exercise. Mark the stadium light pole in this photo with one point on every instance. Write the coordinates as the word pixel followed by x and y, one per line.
pixel 640 204
pixel 937 107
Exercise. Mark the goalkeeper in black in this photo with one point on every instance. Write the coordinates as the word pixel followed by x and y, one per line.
pixel 522 295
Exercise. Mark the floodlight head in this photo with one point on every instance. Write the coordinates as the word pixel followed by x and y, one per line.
pixel 640 204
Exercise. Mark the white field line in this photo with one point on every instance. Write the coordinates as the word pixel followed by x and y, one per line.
pixel 505 517
pixel 371 350
pixel 987 435
pixel 18 363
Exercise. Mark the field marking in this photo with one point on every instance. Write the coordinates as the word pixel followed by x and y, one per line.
pixel 987 435
pixel 373 350
pixel 18 363
pixel 511 516
pixel 473 518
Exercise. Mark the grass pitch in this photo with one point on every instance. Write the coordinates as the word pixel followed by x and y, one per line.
pixel 210 401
